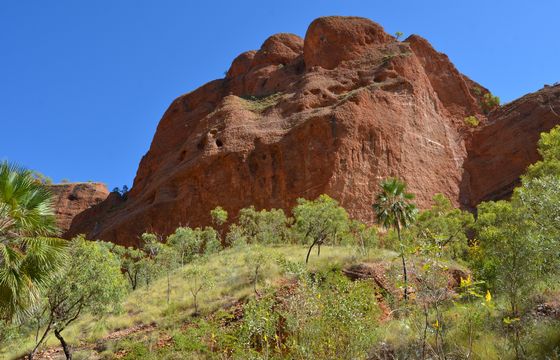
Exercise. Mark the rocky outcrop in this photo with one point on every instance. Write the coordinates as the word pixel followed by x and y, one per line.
pixel 71 199
pixel 334 113
pixel 500 151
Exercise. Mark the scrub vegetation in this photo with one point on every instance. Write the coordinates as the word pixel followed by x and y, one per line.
pixel 440 283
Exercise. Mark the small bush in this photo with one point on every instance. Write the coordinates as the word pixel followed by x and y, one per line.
pixel 472 121
pixel 490 102
pixel 259 104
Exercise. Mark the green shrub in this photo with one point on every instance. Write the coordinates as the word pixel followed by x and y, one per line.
pixel 264 226
pixel 471 121
pixel 135 350
pixel 489 102
pixel 258 330
pixel 320 221
pixel 259 104
pixel 331 317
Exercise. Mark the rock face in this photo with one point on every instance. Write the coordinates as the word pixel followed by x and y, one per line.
pixel 71 199
pixel 501 150
pixel 334 113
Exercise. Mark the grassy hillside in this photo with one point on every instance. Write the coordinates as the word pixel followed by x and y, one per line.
pixel 149 328
pixel 147 308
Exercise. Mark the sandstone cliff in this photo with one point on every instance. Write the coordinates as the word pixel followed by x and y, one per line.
pixel 500 151
pixel 333 113
pixel 71 199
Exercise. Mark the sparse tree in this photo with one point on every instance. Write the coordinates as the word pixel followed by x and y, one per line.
pixel 365 236
pixel 200 279
pixel 41 178
pixel 512 257
pixel 91 281
pixel 489 102
pixel 186 242
pixel 257 260
pixel 192 243
pixel 236 236
pixel 132 264
pixel 151 245
pixel 211 243
pixel 168 260
pixel 320 220
pixel 219 218
pixel 394 209
pixel 264 226
pixel 122 192
pixel 549 150
pixel 442 229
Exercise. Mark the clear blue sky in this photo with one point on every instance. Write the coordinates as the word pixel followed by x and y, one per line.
pixel 83 84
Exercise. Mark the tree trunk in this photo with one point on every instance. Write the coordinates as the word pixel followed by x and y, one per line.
pixel 34 351
pixel 424 335
pixel 256 279
pixel 309 251
pixel 168 288
pixel 363 244
pixel 405 275
pixel 65 346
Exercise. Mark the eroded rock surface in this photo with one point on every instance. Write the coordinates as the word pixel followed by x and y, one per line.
pixel 500 151
pixel 335 113
pixel 71 199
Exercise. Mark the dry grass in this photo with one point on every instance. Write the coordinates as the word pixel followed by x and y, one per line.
pixel 260 104
pixel 232 277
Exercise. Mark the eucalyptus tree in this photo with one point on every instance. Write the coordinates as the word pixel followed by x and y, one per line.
pixel 168 260
pixel 442 229
pixel 257 260
pixel 199 279
pixel 90 281
pixel 321 220
pixel 393 208
pixel 219 218
pixel 549 150
pixel 264 226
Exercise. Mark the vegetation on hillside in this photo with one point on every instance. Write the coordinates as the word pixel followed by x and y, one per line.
pixel 434 284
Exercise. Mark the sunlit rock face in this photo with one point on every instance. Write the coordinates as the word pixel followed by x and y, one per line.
pixel 333 113
pixel 72 198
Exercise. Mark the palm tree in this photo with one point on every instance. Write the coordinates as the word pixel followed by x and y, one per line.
pixel 394 209
pixel 28 255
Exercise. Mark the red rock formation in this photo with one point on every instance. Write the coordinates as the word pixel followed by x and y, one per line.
pixel 501 151
pixel 333 114
pixel 73 198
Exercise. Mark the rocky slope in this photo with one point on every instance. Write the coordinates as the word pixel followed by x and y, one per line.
pixel 333 113
pixel 73 198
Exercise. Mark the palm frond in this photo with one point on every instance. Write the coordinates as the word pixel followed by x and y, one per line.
pixel 392 205
pixel 29 258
